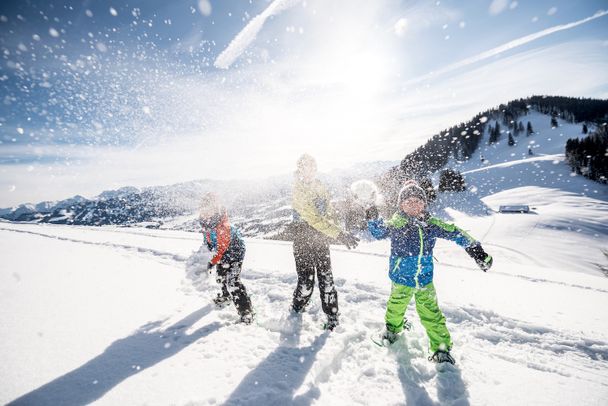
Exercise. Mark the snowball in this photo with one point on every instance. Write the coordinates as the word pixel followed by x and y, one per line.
pixel 365 192
pixel 53 32
pixel 113 11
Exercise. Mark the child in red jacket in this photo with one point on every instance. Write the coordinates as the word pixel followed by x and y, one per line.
pixel 229 248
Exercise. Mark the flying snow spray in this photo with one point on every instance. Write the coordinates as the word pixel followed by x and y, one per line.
pixel 366 193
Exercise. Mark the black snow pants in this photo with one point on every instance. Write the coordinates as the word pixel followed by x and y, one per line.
pixel 229 276
pixel 311 253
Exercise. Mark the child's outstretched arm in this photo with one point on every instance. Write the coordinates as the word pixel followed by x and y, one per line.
pixel 450 232
pixel 473 247
pixel 376 225
pixel 483 259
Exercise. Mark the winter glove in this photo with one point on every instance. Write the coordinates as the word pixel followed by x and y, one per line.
pixel 348 239
pixel 483 260
pixel 198 272
pixel 371 213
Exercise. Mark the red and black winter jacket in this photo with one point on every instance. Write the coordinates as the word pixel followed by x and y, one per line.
pixel 223 239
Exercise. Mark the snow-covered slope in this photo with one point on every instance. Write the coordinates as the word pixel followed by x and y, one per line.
pixel 114 316
pixel 498 166
pixel 560 199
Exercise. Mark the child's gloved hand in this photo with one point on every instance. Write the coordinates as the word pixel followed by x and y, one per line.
pixel 371 213
pixel 348 239
pixel 483 259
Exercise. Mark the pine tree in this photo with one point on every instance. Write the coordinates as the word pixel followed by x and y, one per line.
pixel 529 130
pixel 494 134
pixel 553 122
pixel 585 129
pixel 451 181
pixel 588 156
pixel 511 140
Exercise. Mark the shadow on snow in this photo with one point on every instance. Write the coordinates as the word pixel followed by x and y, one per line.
pixel 276 379
pixel 122 359
pixel 451 389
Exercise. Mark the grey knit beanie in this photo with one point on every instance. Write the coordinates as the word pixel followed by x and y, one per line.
pixel 411 190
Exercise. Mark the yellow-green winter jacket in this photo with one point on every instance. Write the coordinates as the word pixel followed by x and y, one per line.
pixel 311 204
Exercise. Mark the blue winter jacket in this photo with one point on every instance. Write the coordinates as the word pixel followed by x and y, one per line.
pixel 223 239
pixel 412 243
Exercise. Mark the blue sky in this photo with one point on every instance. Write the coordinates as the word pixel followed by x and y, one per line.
pixel 104 94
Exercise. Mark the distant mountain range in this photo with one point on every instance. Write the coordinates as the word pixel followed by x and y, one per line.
pixel 260 208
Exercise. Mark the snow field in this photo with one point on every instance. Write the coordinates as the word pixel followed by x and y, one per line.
pixel 158 341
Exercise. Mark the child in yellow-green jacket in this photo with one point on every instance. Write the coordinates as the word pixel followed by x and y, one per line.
pixel 314 227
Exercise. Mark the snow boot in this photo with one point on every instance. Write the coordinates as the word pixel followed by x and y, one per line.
pixel 441 356
pixel 332 322
pixel 384 338
pixel 297 310
pixel 247 318
pixel 221 301
pixel 389 337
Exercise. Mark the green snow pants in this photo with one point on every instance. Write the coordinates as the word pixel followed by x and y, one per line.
pixel 426 305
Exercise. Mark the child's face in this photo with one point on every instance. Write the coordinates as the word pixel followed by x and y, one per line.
pixel 205 213
pixel 208 211
pixel 210 217
pixel 413 207
pixel 308 171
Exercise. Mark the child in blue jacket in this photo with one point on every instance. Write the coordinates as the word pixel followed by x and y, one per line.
pixel 413 233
